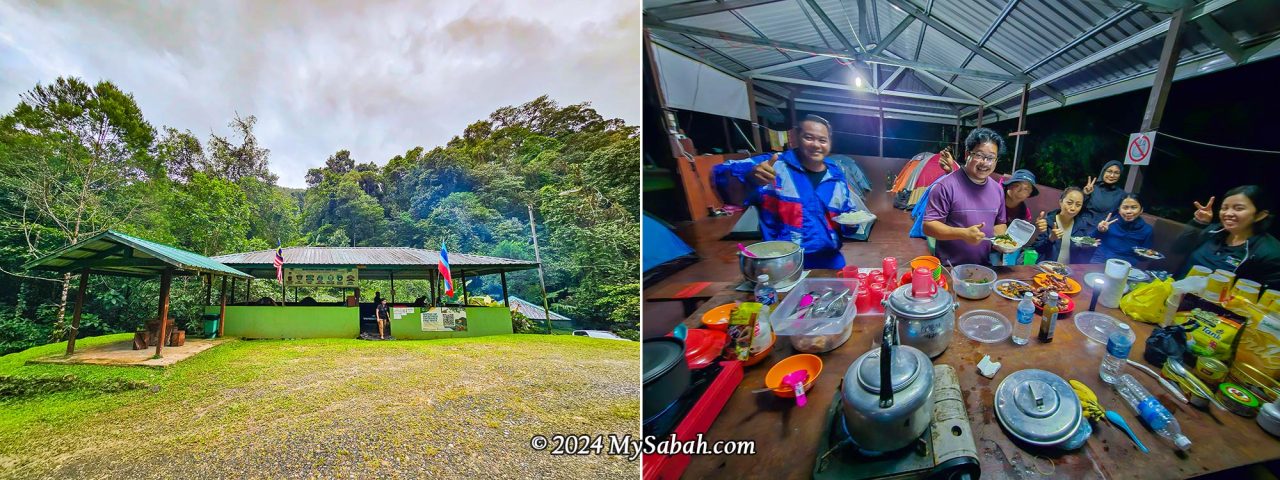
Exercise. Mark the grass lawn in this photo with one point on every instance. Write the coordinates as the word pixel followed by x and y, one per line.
pixel 323 408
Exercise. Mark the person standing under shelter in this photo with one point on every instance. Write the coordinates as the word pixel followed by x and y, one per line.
pixel 383 315
pixel 800 196
pixel 965 208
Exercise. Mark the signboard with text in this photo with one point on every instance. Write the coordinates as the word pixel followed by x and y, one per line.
pixel 444 319
pixel 322 277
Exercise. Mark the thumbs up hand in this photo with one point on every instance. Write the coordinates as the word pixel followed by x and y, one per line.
pixel 974 234
pixel 1041 223
pixel 764 173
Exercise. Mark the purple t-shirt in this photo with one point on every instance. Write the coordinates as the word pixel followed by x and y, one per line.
pixel 958 202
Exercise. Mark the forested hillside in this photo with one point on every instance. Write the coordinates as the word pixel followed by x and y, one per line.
pixel 79 158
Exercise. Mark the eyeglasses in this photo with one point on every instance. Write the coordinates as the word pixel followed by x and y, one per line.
pixel 983 157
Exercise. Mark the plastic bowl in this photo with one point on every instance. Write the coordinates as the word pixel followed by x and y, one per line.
pixel 973 281
pixel 718 318
pixel 803 361
pixel 816 335
pixel 761 355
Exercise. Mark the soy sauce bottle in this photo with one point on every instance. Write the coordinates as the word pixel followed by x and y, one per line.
pixel 1049 317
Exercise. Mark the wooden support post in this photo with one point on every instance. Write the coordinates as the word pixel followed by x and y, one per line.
pixel 751 103
pixel 233 291
pixel 165 279
pixel 505 301
pixel 728 141
pixel 1022 119
pixel 208 289
pixel 791 107
pixel 1159 89
pixel 980 109
pixel 958 153
pixel 75 318
pixel 465 299
pixel 248 290
pixel 393 288
pixel 435 294
pixel 222 311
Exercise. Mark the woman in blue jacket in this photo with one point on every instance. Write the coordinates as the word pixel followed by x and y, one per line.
pixel 1119 240
pixel 1055 243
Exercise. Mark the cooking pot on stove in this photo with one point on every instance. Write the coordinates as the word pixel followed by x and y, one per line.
pixel 925 316
pixel 888 395
pixel 666 375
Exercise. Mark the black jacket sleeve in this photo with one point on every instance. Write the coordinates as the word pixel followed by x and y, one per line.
pixel 1192 236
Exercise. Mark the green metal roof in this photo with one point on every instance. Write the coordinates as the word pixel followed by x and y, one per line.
pixel 114 253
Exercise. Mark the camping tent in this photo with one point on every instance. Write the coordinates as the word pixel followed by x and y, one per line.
pixel 662 248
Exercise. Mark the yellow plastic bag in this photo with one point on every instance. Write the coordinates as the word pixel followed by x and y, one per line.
pixel 1145 303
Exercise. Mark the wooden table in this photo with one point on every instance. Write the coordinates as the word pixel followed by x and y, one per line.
pixel 787 437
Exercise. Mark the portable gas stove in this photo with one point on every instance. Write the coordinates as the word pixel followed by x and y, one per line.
pixel 946 450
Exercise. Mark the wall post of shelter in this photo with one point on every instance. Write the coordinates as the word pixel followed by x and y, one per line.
pixel 208 288
pixel 1022 118
pixel 222 310
pixel 465 299
pixel 1159 89
pixel 165 280
pixel 505 300
pixel 393 286
pixel 75 319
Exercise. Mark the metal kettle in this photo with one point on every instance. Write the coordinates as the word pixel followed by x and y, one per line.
pixel 888 395
pixel 925 316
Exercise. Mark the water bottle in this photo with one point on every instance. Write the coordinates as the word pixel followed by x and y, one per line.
pixel 765 293
pixel 1026 313
pixel 1118 345
pixel 1151 411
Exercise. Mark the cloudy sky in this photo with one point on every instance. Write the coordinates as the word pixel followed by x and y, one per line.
pixel 373 77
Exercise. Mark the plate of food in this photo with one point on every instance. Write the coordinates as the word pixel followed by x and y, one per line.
pixel 1065 303
pixel 1058 283
pixel 1147 253
pixel 1085 241
pixel 1011 289
pixel 1005 243
pixel 1138 275
pixel 855 218
pixel 1054 267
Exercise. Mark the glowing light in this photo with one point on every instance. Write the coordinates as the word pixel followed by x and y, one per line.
pixel 857 81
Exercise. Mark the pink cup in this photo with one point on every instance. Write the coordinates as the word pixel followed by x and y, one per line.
pixel 877 293
pixel 863 301
pixel 848 272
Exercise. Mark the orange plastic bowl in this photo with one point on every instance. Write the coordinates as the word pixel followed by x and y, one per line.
pixel 761 355
pixel 718 318
pixel 803 361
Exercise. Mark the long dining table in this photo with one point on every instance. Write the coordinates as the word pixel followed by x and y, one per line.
pixel 787 438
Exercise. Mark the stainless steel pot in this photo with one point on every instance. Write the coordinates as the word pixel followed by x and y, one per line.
pixel 781 261
pixel 924 321
pixel 888 395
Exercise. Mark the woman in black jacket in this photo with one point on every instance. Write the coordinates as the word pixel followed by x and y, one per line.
pixel 1239 242
pixel 1102 195
pixel 1063 224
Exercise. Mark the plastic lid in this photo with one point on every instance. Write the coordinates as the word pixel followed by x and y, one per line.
pixel 985 326
pixel 1097 326
pixel 1038 407
pixel 1182 442
pixel 904 369
pixel 903 303
pixel 762 278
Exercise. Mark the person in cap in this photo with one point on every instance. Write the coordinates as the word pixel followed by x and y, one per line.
pixel 1102 195
pixel 966 207
pixel 799 193
pixel 1017 189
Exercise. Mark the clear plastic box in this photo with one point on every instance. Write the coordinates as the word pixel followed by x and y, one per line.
pixel 822 333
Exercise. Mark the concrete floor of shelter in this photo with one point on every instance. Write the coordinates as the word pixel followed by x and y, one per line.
pixel 122 353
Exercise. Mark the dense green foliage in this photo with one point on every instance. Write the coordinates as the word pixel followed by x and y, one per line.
pixel 77 159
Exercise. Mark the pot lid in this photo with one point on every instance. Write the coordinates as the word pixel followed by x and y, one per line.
pixel 703 346
pixel 903 304
pixel 660 356
pixel 903 370
pixel 1038 407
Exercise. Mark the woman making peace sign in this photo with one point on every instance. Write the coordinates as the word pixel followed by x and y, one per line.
pixel 1239 243
pixel 1121 234
pixel 1102 194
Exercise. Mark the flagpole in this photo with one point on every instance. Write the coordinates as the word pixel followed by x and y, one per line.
pixel 542 281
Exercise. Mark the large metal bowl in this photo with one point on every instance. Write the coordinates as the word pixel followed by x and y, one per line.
pixel 781 261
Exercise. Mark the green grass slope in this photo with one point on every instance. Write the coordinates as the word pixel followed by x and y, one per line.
pixel 324 408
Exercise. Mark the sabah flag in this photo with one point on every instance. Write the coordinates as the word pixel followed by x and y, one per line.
pixel 444 271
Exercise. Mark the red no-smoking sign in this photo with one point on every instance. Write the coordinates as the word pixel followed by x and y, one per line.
pixel 1140 147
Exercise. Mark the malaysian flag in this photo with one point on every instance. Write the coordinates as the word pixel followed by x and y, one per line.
pixel 279 263
pixel 444 271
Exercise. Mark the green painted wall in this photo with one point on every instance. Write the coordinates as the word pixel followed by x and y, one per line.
pixel 480 321
pixel 344 322
pixel 290 322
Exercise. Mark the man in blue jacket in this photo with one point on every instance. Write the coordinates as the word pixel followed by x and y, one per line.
pixel 800 197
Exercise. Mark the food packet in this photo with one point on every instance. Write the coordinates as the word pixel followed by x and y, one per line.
pixel 1260 345
pixel 1218 328
pixel 742 326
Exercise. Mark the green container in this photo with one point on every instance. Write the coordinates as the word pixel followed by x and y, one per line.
pixel 210 326
pixel 1029 257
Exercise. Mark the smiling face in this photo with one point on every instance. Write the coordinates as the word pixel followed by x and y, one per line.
pixel 1239 214
pixel 981 161
pixel 1071 204
pixel 1016 193
pixel 1130 209
pixel 815 141
pixel 1111 174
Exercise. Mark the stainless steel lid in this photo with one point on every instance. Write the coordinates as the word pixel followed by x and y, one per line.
pixel 1038 407
pixel 904 368
pixel 903 304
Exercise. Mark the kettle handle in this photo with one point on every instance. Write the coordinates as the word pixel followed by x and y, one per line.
pixel 886 360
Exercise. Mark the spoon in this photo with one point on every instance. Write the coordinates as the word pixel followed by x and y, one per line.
pixel 1119 422
pixel 745 251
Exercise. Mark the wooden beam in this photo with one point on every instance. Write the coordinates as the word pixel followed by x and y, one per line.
pixel 1159 88
pixel 75 319
pixel 166 279
pixel 393 287
pixel 222 311
pixel 466 300
pixel 755 130
pixel 506 299
pixel 208 289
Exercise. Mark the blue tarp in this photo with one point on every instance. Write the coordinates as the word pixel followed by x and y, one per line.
pixel 660 244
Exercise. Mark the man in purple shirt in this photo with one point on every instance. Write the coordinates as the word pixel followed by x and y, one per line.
pixel 965 208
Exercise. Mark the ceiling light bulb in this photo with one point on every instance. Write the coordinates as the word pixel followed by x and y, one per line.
pixel 857 81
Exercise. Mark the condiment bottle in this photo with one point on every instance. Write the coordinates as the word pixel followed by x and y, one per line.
pixel 1049 317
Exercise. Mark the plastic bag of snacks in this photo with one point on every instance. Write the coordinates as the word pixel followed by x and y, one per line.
pixel 742 326
pixel 1217 331
pixel 1146 302
pixel 1260 345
